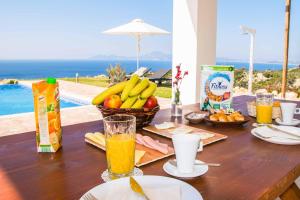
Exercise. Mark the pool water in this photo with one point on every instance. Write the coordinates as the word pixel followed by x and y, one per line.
pixel 18 99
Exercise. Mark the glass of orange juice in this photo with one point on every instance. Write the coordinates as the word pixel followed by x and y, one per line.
pixel 264 107
pixel 120 144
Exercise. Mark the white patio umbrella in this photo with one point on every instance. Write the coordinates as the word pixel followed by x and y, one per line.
pixel 136 28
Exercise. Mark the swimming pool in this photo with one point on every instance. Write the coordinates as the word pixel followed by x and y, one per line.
pixel 18 99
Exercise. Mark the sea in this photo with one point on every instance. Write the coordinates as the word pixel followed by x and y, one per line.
pixel 34 69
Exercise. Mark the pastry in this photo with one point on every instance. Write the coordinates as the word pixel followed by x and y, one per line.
pixel 239 118
pixel 213 117
pixel 223 118
pixel 230 118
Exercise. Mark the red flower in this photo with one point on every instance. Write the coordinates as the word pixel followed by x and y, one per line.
pixel 179 76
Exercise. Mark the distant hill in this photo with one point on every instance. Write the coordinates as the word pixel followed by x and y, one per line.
pixel 110 57
pixel 160 56
pixel 155 55
pixel 225 59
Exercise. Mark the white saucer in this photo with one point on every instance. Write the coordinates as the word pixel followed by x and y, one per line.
pixel 295 122
pixel 105 175
pixel 198 170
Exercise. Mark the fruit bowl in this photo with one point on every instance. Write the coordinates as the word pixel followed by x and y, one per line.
pixel 143 116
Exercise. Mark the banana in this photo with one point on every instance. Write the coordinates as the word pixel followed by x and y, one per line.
pixel 139 103
pixel 139 87
pixel 110 91
pixel 129 86
pixel 129 102
pixel 149 90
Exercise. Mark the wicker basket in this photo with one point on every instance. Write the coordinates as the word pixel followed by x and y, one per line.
pixel 143 116
pixel 251 107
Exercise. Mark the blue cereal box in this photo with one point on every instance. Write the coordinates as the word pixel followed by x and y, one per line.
pixel 216 87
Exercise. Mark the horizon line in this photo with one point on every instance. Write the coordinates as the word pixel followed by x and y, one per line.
pixel 157 60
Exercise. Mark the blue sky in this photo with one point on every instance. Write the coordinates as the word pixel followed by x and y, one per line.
pixel 68 29
pixel 267 17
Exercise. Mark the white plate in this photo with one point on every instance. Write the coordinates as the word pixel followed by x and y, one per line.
pixel 198 170
pixel 187 191
pixel 294 130
pixel 294 122
pixel 278 140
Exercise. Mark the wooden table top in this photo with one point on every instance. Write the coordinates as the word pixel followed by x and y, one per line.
pixel 251 168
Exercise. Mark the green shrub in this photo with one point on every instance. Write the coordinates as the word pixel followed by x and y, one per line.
pixel 116 74
pixel 272 83
pixel 12 81
pixel 240 78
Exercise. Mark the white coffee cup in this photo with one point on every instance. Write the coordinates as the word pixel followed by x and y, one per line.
pixel 186 147
pixel 287 111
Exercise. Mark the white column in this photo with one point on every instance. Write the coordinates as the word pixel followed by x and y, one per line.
pixel 194 42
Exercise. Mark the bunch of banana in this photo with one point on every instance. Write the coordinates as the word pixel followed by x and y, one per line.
pixel 115 89
pixel 133 93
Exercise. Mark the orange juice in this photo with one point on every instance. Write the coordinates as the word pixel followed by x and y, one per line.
pixel 264 114
pixel 47 115
pixel 120 150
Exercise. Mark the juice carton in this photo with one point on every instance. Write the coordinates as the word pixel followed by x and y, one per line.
pixel 47 115
pixel 216 88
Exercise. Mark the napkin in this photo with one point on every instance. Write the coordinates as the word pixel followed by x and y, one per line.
pixel 98 138
pixel 122 192
pixel 182 130
pixel 204 135
pixel 165 125
pixel 267 132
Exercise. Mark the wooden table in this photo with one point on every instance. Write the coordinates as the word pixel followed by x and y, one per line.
pixel 251 168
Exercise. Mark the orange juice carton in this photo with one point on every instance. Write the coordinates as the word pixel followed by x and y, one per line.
pixel 47 115
pixel 216 88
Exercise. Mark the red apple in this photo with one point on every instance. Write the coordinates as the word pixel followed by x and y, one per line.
pixel 151 103
pixel 113 101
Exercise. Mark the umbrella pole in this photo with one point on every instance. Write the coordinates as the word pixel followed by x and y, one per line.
pixel 138 49
pixel 286 47
pixel 251 64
